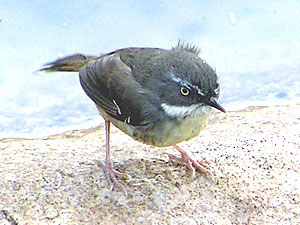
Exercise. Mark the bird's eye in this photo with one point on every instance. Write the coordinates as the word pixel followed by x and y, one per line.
pixel 184 91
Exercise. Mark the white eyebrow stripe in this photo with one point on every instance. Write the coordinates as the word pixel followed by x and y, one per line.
pixel 198 90
pixel 186 84
pixel 217 90
pixel 176 79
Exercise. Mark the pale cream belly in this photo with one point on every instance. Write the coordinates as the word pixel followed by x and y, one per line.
pixel 185 130
pixel 166 133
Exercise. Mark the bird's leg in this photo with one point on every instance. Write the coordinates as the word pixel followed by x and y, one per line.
pixel 191 163
pixel 111 174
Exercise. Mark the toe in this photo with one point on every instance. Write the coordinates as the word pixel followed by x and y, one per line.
pixel 123 175
pixel 111 177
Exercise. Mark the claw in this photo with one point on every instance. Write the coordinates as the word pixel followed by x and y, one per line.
pixel 111 177
pixel 191 163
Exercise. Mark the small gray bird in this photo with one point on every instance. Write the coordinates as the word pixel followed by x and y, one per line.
pixel 156 96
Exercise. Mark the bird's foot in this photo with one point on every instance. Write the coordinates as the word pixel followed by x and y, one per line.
pixel 191 163
pixel 111 177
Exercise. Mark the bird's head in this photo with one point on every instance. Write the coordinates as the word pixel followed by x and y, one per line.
pixel 190 83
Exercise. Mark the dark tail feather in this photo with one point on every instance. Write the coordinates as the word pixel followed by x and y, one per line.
pixel 71 63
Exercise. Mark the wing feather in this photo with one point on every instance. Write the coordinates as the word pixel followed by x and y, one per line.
pixel 109 82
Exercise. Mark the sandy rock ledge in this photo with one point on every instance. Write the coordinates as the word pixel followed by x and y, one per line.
pixel 255 157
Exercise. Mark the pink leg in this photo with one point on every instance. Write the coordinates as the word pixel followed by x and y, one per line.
pixel 191 163
pixel 111 174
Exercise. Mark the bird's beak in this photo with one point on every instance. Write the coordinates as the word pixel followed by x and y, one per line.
pixel 213 102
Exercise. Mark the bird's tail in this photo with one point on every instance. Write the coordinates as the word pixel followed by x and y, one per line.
pixel 71 63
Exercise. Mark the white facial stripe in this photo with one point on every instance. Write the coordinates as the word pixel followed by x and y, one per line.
pixel 186 84
pixel 199 91
pixel 217 90
pixel 179 111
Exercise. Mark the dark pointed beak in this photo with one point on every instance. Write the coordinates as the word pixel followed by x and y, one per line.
pixel 213 102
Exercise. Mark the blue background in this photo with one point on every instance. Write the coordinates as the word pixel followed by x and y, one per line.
pixel 254 46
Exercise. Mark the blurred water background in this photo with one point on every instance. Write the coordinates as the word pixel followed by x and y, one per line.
pixel 254 46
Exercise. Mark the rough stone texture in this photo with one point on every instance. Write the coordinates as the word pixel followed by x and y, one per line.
pixel 254 155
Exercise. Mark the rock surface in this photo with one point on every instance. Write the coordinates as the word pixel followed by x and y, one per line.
pixel 254 155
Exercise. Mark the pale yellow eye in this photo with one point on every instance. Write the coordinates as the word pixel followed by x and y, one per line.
pixel 184 91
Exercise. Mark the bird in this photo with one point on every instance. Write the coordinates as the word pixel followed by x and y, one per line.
pixel 159 97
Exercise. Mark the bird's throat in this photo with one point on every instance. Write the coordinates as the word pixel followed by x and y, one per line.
pixel 182 111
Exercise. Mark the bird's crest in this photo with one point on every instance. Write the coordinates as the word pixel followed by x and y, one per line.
pixel 187 47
